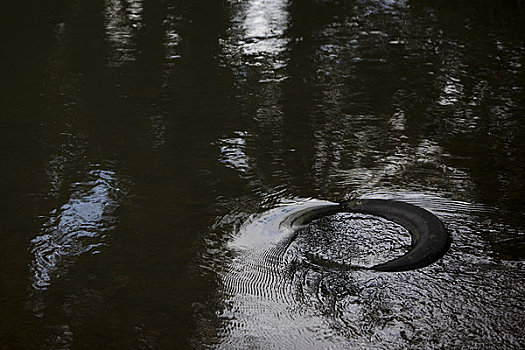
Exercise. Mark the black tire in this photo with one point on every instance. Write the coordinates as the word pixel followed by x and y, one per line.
pixel 430 239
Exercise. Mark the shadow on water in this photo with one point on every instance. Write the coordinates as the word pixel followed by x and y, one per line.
pixel 142 141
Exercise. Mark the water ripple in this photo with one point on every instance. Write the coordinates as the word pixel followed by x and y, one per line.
pixel 294 293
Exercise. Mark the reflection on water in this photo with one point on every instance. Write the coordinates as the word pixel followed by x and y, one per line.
pixel 232 152
pixel 122 20
pixel 215 113
pixel 258 34
pixel 78 227
pixel 255 50
pixel 264 24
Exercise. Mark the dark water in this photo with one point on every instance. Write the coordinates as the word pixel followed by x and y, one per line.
pixel 146 143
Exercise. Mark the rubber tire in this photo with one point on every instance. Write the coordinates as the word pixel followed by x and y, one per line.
pixel 430 239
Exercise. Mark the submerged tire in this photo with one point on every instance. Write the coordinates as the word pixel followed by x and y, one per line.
pixel 430 239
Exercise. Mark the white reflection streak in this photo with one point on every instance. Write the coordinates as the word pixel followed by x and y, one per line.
pixel 120 20
pixel 232 152
pixel 398 120
pixel 134 11
pixel 76 228
pixel 171 43
pixel 172 39
pixel 452 92
pixel 264 24
pixel 257 37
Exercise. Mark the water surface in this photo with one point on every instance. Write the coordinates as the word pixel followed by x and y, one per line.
pixel 141 141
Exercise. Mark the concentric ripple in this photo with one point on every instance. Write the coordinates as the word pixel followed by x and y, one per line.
pixel 277 271
pixel 311 288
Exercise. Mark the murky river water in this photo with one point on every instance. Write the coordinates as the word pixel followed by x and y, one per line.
pixel 146 144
